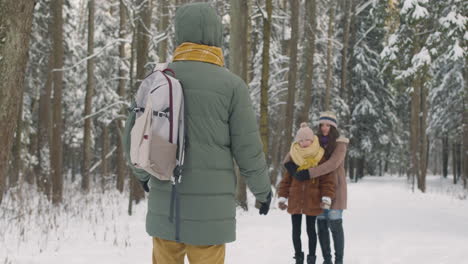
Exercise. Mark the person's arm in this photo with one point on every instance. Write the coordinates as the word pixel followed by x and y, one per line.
pixel 246 145
pixel 283 187
pixel 336 159
pixel 327 184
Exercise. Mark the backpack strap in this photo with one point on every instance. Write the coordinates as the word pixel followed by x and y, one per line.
pixel 161 66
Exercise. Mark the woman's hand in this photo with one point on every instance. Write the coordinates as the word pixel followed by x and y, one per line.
pixel 302 175
pixel 326 202
pixel 282 203
pixel 291 167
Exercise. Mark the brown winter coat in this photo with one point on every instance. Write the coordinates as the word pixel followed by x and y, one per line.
pixel 305 197
pixel 335 165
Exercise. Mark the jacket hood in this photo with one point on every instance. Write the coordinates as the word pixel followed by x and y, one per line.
pixel 198 23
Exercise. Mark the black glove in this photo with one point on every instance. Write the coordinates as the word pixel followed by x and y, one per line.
pixel 144 185
pixel 291 167
pixel 265 207
pixel 302 175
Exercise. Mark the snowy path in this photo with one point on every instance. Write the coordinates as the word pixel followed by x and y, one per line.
pixel 385 223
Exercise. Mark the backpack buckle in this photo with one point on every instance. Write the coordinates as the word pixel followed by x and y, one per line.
pixel 137 109
pixel 177 172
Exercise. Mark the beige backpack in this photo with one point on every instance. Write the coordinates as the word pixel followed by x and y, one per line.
pixel 157 142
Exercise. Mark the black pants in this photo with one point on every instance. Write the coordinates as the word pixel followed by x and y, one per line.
pixel 296 233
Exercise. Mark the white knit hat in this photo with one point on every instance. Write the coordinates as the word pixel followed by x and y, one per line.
pixel 328 117
pixel 304 133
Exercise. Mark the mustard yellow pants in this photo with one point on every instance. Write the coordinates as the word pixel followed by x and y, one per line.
pixel 171 252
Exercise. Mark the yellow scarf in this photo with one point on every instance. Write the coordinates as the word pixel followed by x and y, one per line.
pixel 198 52
pixel 308 157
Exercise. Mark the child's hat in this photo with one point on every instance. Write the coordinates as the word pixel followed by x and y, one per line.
pixel 304 133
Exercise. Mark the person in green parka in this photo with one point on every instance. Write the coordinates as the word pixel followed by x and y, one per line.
pixel 221 129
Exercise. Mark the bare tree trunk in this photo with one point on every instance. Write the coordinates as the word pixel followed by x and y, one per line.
pixel 136 192
pixel 163 27
pixel 29 173
pixel 459 162
pixel 15 29
pixel 239 65
pixel 16 163
pixel 360 169
pixel 424 139
pixel 344 51
pixel 85 174
pixel 292 74
pixel 454 162
pixel 465 126
pixel 74 168
pixel 44 131
pixel 445 156
pixel 105 151
pixel 328 87
pixel 310 28
pixel 56 144
pixel 265 76
pixel 351 168
pixel 415 128
pixel 121 164
pixel 279 146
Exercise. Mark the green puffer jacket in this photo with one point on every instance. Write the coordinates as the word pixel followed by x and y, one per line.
pixel 220 127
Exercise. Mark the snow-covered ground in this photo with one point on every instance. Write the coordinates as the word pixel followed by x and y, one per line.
pixel 385 223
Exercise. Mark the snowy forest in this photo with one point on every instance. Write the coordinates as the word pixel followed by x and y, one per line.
pixel 394 71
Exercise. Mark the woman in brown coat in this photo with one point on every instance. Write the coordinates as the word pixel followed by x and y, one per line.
pixel 302 195
pixel 335 152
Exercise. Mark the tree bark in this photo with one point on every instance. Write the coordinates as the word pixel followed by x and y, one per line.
pixel 15 28
pixel 415 128
pixel 121 163
pixel 454 163
pixel 424 138
pixel 328 86
pixel 44 136
pixel 310 29
pixel 445 156
pixel 56 144
pixel 105 151
pixel 292 74
pixel 142 43
pixel 16 163
pixel 90 83
pixel 163 27
pixel 465 126
pixel 344 51
pixel 264 81
pixel 239 65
